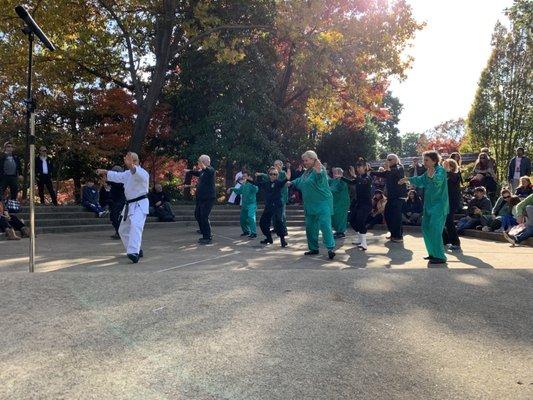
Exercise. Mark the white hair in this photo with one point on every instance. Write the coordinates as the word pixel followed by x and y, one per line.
pixel 395 157
pixel 278 162
pixel 134 157
pixel 310 154
pixel 338 170
pixel 205 159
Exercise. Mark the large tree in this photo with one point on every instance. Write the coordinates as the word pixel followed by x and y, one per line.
pixel 501 116
pixel 390 140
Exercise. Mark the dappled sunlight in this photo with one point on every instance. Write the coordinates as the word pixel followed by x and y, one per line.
pixel 381 283
pixel 56 265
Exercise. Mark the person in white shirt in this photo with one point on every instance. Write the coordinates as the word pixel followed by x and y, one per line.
pixel 518 167
pixel 44 169
pixel 135 180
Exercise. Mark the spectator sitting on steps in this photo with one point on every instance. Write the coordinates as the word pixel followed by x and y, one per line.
pixel 10 224
pixel 502 215
pixel 480 206
pixel 90 199
pixel 160 204
pixel 523 213
pixel 525 188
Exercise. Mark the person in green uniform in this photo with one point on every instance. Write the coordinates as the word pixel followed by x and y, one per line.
pixel 341 203
pixel 318 203
pixel 248 193
pixel 436 206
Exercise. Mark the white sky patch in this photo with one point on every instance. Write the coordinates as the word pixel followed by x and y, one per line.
pixel 450 54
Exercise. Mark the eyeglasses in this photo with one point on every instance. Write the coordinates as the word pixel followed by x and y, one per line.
pixel 273 174
pixel 506 197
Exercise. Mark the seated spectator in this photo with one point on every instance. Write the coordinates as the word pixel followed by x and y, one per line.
pixel 523 213
pixel 502 214
pixel 412 209
pixel 10 224
pixel 378 208
pixel 90 199
pixel 104 196
pixel 484 173
pixel 160 204
pixel 378 183
pixel 525 188
pixel 480 206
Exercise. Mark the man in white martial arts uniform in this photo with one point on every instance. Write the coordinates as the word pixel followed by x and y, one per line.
pixel 135 180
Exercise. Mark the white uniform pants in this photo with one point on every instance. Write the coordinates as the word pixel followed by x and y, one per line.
pixel 131 230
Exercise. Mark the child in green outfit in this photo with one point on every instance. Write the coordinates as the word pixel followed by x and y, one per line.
pixel 248 193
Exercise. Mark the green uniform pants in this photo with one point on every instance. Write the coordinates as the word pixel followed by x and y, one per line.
pixel 315 223
pixel 248 219
pixel 432 227
pixel 339 220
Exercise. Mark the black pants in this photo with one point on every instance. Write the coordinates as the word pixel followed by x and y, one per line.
pixel 449 235
pixel 374 220
pixel 11 182
pixel 359 216
pixel 273 216
pixel 201 213
pixel 393 217
pixel 46 180
pixel 13 222
pixel 114 215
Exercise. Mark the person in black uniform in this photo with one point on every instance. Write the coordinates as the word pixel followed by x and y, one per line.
pixel 450 236
pixel 361 205
pixel 118 201
pixel 396 194
pixel 44 169
pixel 273 212
pixel 205 196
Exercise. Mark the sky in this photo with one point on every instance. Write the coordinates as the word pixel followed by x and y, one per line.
pixel 450 54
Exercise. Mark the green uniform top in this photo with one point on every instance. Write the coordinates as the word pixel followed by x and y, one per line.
pixel 316 193
pixel 248 193
pixel 435 191
pixel 341 194
pixel 285 191
pixel 520 208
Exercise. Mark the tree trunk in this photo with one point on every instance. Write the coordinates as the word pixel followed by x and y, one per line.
pixel 77 189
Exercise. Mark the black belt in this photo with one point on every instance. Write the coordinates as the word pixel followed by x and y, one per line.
pixel 128 202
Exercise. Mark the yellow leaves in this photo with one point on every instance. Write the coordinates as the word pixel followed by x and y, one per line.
pixel 230 56
pixel 323 113
pixel 332 38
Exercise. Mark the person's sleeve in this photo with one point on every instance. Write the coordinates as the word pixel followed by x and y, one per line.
pixel 439 178
pixel 194 172
pixel 510 170
pixel 117 177
pixel 521 207
pixel 497 205
pixel 262 177
pixel 418 181
pixel 348 181
pixel 281 183
pixel 322 177
pixel 141 176
pixel 528 166
pixel 296 183
pixel 487 206
pixel 254 189
pixel 237 190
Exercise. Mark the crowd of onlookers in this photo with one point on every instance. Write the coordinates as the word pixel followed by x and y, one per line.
pixel 477 198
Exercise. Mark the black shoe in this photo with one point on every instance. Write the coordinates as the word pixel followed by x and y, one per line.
pixel 331 254
pixel 429 258
pixel 252 236
pixel 267 241
pixel 141 254
pixel 198 231
pixel 205 240
pixel 437 261
pixel 283 242
pixel 311 253
pixel 245 234
pixel 116 236
pixel 134 258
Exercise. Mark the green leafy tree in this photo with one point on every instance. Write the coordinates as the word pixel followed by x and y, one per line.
pixel 389 134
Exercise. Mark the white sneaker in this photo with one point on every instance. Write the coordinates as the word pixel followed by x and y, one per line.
pixel 485 229
pixel 358 240
pixel 363 245
pixel 500 230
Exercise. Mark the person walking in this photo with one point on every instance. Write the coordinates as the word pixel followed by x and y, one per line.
pixel 135 180
pixel 396 193
pixel 341 203
pixel 318 203
pixel 436 205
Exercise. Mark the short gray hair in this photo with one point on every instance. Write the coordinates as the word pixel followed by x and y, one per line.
pixel 338 170
pixel 395 157
pixel 278 162
pixel 310 154
pixel 134 157
pixel 205 159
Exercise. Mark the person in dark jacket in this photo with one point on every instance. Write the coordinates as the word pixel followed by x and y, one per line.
pixel 273 213
pixel 118 201
pixel 416 169
pixel 525 188
pixel 104 196
pixel 412 209
pixel 361 205
pixel 519 166
pixel 44 170
pixel 90 199
pixel 479 207
pixel 396 193
pixel 205 196
pixel 449 235
pixel 160 204
pixel 10 170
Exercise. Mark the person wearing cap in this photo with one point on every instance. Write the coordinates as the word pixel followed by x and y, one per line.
pixel 135 180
